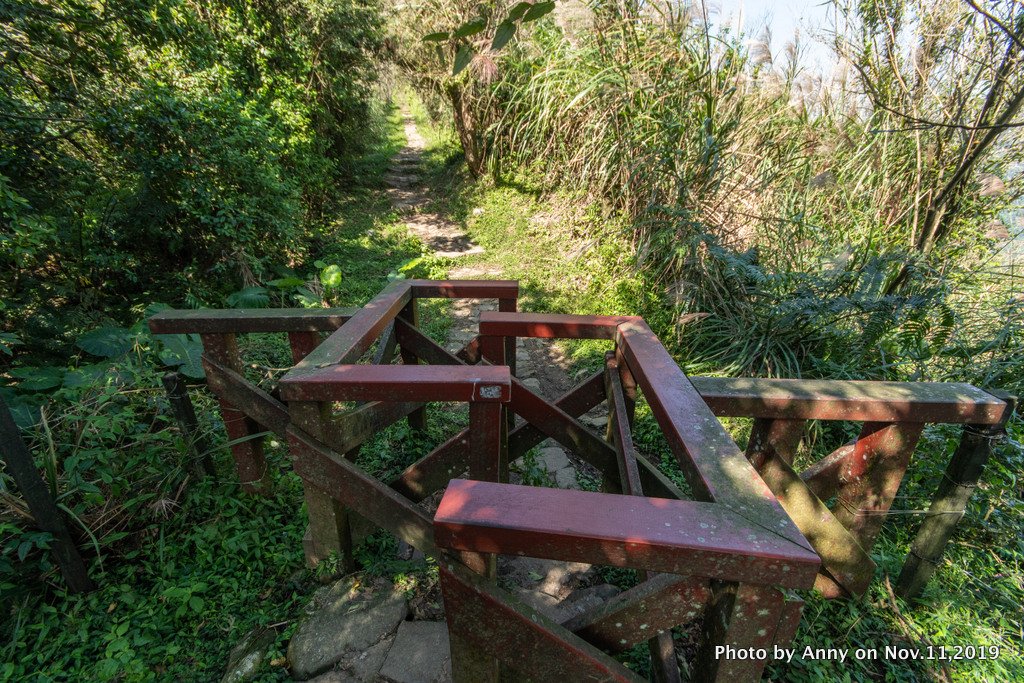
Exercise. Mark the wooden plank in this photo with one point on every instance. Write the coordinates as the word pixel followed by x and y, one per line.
pixel 846 568
pixel 188 425
pixel 230 386
pixel 351 340
pixel 658 604
pixel 739 616
pixel 872 477
pixel 856 401
pixel 247 451
pixel 792 611
pixel 246 320
pixel 410 314
pixel 573 403
pixel 18 462
pixel 465 289
pixel 950 502
pixel 386 347
pixel 655 483
pixel 822 478
pixel 349 485
pixel 485 441
pixel 450 459
pixel 665 668
pixel 714 466
pixel 434 470
pixel 568 431
pixel 302 344
pixel 353 427
pixel 521 638
pixel 400 383
pixel 618 430
pixel 625 531
pixel 551 325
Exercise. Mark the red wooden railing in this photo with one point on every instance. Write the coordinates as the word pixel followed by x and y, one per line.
pixel 755 528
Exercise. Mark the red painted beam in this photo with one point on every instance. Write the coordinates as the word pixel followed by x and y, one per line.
pixel 550 325
pixel 855 401
pixel 465 289
pixel 353 338
pixel 243 320
pixel 714 466
pixel 400 383
pixel 674 536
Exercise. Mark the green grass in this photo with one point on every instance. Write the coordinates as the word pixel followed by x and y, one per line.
pixel 569 260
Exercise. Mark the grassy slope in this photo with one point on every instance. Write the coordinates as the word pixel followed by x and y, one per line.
pixel 569 260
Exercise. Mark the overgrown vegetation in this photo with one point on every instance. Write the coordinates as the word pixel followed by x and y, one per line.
pixel 771 222
pixel 613 157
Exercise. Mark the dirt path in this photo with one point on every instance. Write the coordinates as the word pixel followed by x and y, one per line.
pixel 409 196
pixel 559 589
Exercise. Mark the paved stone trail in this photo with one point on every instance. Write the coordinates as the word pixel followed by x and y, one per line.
pixel 414 651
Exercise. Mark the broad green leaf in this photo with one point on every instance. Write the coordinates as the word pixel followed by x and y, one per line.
pixel 470 28
pixel 86 375
pixel 331 276
pixel 250 297
pixel 183 351
pixel 505 31
pixel 538 11
pixel 410 264
pixel 38 379
pixel 106 342
pixel 517 12
pixel 287 282
pixel 462 59
pixel 7 340
pixel 436 37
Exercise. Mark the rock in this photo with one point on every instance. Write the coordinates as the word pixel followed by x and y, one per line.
pixel 542 602
pixel 596 422
pixel 603 591
pixel 554 577
pixel 365 665
pixel 532 383
pixel 478 211
pixel 342 622
pixel 420 654
pixel 566 478
pixel 553 459
pixel 335 676
pixel 248 655
pixel 557 610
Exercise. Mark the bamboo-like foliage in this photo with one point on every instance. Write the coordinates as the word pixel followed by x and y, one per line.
pixel 798 223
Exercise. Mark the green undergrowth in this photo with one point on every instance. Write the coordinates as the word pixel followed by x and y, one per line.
pixel 570 258
pixel 185 568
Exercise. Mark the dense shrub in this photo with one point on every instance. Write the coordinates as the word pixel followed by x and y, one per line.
pixel 168 149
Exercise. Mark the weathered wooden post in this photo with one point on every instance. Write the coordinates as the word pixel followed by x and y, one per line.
pixel 185 416
pixel 950 502
pixel 19 463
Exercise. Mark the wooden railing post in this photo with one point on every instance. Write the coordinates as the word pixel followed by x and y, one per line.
pixel 19 463
pixel 330 528
pixel 950 502
pixel 411 314
pixel 249 461
pixel 185 416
